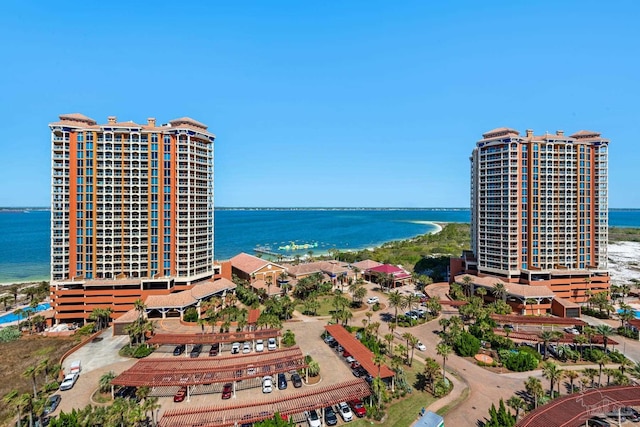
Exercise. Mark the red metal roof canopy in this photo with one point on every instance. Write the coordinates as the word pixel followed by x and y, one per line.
pixel 221 416
pixel 205 338
pixel 362 354
pixel 538 320
pixel 573 410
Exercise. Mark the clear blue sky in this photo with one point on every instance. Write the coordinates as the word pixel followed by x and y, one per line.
pixel 340 103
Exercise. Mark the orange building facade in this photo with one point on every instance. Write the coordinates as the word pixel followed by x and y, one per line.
pixel 539 211
pixel 131 212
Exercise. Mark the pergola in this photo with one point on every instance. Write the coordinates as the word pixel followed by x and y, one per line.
pixel 362 354
pixel 222 416
pixel 575 409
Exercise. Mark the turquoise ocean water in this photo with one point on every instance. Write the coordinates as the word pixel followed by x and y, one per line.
pixel 24 237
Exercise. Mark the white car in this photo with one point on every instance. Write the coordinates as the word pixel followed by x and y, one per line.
pixel 235 348
pixel 246 347
pixel 373 300
pixel 345 411
pixel 267 384
pixel 573 331
pixel 313 419
pixel 271 344
pixel 69 381
pixel 421 346
pixel 259 345
pixel 350 359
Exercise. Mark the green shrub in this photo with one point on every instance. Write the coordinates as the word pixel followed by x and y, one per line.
pixel 288 338
pixel 376 307
pixel 519 361
pixel 142 351
pixel 190 315
pixel 499 342
pixel 10 333
pixel 531 350
pixel 466 345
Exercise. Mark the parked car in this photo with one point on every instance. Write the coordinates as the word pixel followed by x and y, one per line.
pixel 329 339
pixel 346 354
pixel 227 390
pixel 626 412
pixel 313 419
pixel 344 411
pixel 350 359
pixel 282 381
pixel 215 348
pixel 68 382
pixel 259 345
pixel 52 404
pixel 509 327
pixel 358 408
pixel 296 380
pixel 271 344
pixel 179 350
pixel 597 422
pixel 373 300
pixel 180 394
pixel 235 348
pixel 267 384
pixel 196 350
pixel 421 346
pixel 411 315
pixel 330 417
pixel 333 343
pixel 126 392
pixel 573 331
pixel 246 347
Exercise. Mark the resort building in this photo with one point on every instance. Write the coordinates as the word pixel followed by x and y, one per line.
pixel 539 211
pixel 131 212
pixel 260 274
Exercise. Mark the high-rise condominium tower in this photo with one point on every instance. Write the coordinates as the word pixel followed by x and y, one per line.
pixel 539 208
pixel 131 208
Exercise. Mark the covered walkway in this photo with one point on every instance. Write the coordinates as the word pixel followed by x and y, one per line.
pixel 204 338
pixel 362 354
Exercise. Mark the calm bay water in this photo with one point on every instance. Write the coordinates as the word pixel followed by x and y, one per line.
pixel 24 237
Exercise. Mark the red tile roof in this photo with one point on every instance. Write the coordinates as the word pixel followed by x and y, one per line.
pixel 249 263
pixel 366 264
pixel 362 354
pixel 191 296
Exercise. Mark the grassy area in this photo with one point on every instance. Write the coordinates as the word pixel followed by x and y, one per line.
pixel 405 411
pixel 326 306
pixel 19 355
pixel 620 234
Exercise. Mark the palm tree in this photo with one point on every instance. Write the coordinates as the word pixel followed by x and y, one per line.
pixel 32 372
pixel 546 337
pixel 601 359
pixel 467 285
pixel 389 339
pixel 14 398
pixel 444 323
pixel 572 375
pixel 105 381
pixel 551 372
pixel 589 332
pixel 396 301
pixel 500 291
pixel 413 342
pixel 530 302
pixel 534 388
pixel 443 350
pixel 410 299
pixel 515 403
pixel 590 373
pixel 269 282
pixel 606 331
pixel 581 340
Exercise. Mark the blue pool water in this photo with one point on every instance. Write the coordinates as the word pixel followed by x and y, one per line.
pixel 10 317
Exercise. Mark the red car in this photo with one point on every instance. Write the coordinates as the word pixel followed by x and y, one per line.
pixel 346 354
pixel 180 395
pixel 227 389
pixel 358 408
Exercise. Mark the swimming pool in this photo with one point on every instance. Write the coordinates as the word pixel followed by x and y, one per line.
pixel 10 317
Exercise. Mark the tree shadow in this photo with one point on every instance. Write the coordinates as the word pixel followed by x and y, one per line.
pixel 421 382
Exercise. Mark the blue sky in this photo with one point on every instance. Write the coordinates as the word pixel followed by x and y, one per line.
pixel 356 103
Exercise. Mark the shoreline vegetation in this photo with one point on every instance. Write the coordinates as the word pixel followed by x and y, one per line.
pixel 448 239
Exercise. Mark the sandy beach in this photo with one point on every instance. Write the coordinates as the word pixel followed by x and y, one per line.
pixel 624 262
